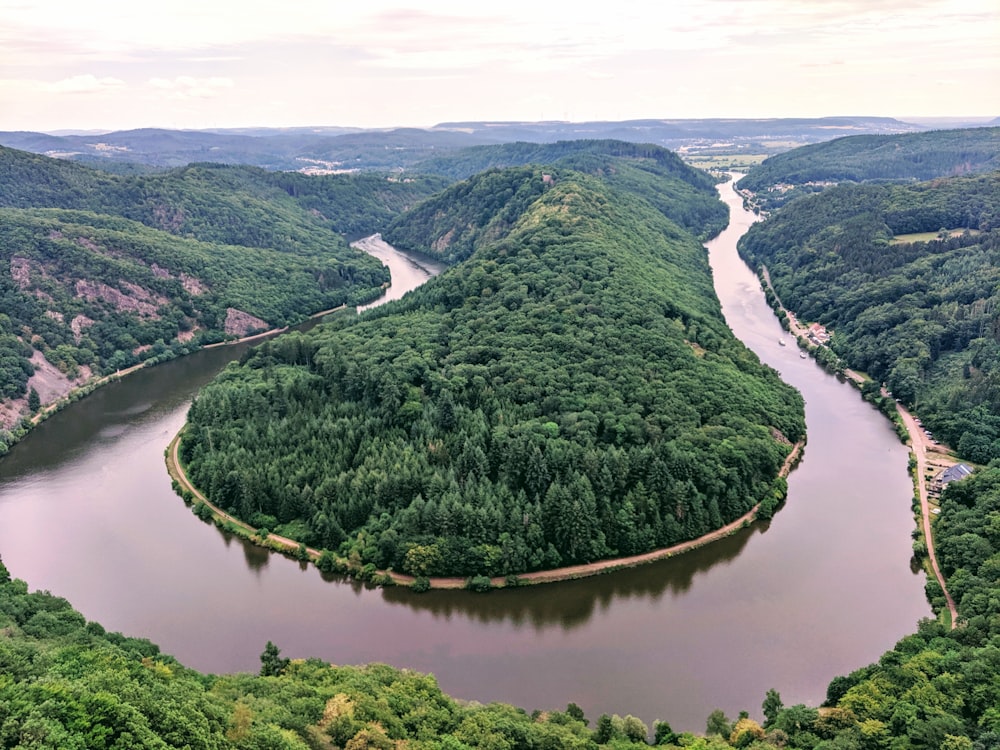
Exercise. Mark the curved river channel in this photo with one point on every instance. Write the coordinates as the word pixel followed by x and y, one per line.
pixel 86 511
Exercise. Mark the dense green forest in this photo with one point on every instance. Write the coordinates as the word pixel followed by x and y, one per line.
pixel 103 271
pixel 921 316
pixel 65 683
pixel 863 158
pixel 682 193
pixel 569 392
pixel 232 205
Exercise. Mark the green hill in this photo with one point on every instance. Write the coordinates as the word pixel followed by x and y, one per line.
pixel 104 271
pixel 682 193
pixel 864 158
pixel 920 314
pixel 234 205
pixel 569 392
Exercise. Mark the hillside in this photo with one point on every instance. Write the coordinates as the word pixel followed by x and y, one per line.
pixel 569 392
pixel 104 271
pixel 863 158
pixel 918 313
pixel 683 194
pixel 235 205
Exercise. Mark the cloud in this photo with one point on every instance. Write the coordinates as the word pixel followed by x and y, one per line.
pixel 86 84
pixel 188 87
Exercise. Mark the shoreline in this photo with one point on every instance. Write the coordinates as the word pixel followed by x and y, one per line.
pixel 914 438
pixel 87 387
pixel 277 543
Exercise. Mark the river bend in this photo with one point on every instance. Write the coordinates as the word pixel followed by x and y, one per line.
pixel 86 511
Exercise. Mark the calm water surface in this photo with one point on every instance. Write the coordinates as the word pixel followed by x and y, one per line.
pixel 86 511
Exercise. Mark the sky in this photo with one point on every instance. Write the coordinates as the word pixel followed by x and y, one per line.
pixel 117 64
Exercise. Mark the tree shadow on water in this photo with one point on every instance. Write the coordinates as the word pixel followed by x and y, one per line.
pixel 570 604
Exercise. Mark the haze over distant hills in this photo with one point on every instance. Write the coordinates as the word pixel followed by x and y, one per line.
pixel 327 149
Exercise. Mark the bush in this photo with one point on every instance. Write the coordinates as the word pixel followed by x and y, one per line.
pixel 479 584
pixel 202 511
pixel 421 584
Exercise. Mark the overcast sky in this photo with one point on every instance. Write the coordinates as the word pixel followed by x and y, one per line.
pixel 116 64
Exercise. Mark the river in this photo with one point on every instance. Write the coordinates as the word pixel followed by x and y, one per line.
pixel 86 511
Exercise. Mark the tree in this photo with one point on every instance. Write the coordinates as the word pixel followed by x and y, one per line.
pixel 575 712
pixel 772 706
pixel 718 723
pixel 271 663
pixel 604 731
pixel 34 401
pixel 663 734
pixel 635 729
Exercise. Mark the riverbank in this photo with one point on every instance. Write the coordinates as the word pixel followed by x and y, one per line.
pixel 85 388
pixel 277 543
pixel 915 439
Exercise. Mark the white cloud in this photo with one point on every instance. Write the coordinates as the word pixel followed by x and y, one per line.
pixel 86 84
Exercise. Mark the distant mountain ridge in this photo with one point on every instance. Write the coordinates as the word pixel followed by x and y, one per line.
pixel 334 148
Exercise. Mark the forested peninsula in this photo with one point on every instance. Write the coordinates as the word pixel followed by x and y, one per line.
pixel 101 272
pixel 568 392
pixel 907 278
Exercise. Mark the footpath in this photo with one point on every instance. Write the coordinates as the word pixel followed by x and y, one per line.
pixel 289 546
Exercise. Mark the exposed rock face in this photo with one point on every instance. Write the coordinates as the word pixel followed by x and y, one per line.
pixel 239 323
pixel 137 301
pixel 20 271
pixel 50 384
pixel 193 285
pixel 441 243
pixel 78 324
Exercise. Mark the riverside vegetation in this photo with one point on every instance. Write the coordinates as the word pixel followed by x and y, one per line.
pixel 920 316
pixel 65 684
pixel 102 272
pixel 568 392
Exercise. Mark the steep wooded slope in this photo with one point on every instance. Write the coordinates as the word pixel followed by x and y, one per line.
pixel 919 314
pixel 98 272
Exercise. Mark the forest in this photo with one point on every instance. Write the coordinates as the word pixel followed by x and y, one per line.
pixel 919 315
pixel 103 271
pixel 567 393
pixel 865 158
pixel 571 372
pixel 67 684
pixel 682 193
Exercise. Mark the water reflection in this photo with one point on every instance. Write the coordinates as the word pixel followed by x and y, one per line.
pixel 570 604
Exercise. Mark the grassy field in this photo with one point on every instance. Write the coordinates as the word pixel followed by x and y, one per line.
pixel 723 162
pixel 928 236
